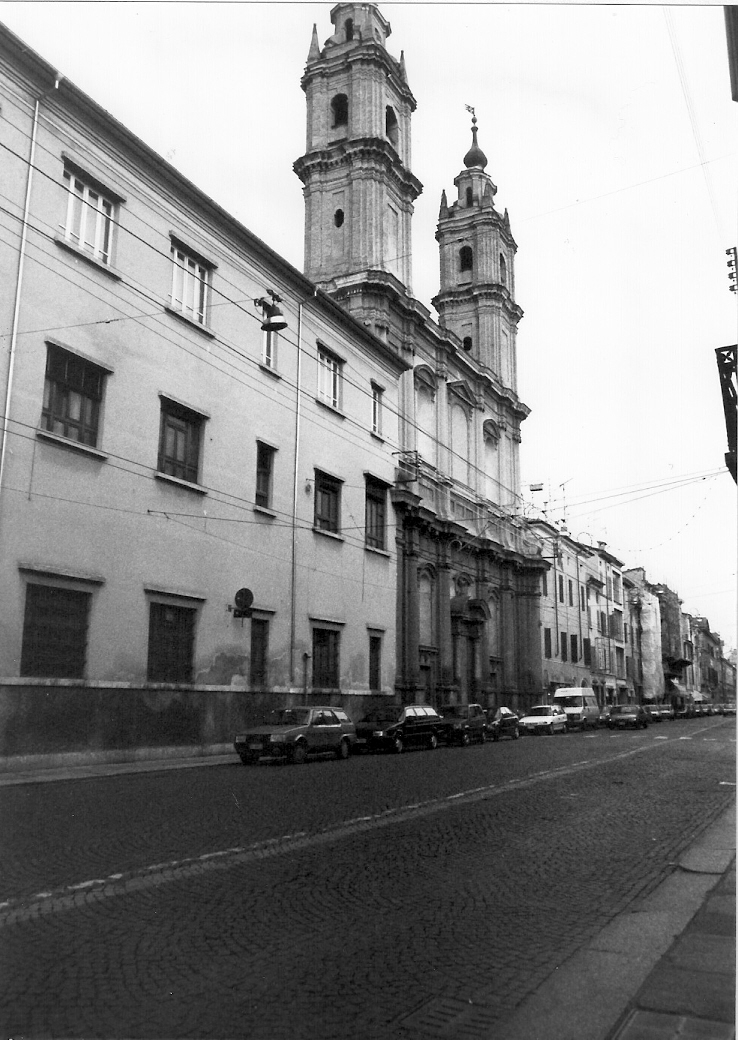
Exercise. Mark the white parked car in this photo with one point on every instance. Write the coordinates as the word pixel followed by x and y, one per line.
pixel 544 718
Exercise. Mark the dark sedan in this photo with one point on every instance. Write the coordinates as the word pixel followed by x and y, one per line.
pixel 394 727
pixel 503 723
pixel 628 716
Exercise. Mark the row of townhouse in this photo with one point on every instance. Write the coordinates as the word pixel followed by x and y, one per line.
pixel 607 627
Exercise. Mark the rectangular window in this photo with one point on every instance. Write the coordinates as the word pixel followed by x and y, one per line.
pixel 376 514
pixel 330 370
pixel 571 593
pixel 326 646
pixel 582 598
pixel 171 643
pixel 55 632
pixel 190 280
pixel 574 649
pixel 73 390
pixel 564 647
pixel 89 219
pixel 377 395
pixel 547 642
pixel 179 441
pixel 264 473
pixel 544 582
pixel 587 648
pixel 561 589
pixel 375 663
pixel 327 503
pixel 259 652
pixel 269 356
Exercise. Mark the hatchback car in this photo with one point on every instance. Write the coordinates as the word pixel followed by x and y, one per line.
pixel 463 724
pixel 503 723
pixel 628 716
pixel 395 727
pixel 291 734
pixel 544 718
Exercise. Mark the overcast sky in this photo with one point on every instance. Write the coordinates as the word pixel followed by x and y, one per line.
pixel 611 136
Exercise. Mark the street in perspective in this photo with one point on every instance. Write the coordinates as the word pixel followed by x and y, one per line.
pixel 419 895
pixel 368 521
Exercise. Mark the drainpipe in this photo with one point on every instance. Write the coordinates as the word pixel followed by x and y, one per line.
pixel 19 282
pixel 295 476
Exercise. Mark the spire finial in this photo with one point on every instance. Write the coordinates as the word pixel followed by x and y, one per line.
pixel 314 52
pixel 475 156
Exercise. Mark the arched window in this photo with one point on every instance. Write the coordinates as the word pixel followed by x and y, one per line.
pixel 503 270
pixel 467 343
pixel 339 107
pixel 466 259
pixel 392 130
pixel 426 613
pixel 459 444
pixel 469 197
pixel 349 26
pixel 338 218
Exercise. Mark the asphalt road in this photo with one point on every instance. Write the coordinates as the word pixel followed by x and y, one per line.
pixel 379 897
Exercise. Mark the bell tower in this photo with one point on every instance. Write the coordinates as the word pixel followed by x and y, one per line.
pixel 477 254
pixel 358 187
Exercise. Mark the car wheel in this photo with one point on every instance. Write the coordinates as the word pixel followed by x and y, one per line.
pixel 397 745
pixel 299 754
pixel 465 739
pixel 551 730
pixel 585 725
pixel 344 750
pixel 249 760
pixel 495 737
pixel 432 742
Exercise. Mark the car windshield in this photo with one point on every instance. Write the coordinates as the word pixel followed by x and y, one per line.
pixel 623 709
pixel 289 717
pixel 544 709
pixel 572 701
pixel 383 715
pixel 455 711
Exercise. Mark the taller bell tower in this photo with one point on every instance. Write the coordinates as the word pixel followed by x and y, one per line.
pixel 358 187
pixel 477 253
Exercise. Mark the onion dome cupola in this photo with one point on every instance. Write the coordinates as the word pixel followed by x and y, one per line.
pixel 477 292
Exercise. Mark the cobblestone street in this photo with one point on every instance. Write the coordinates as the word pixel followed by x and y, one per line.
pixel 442 916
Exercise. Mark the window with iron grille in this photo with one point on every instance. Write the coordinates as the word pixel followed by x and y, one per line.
pixel 564 647
pixel 258 666
pixel 55 632
pixel 89 218
pixel 375 662
pixel 547 642
pixel 376 514
pixel 326 647
pixel 171 643
pixel 330 371
pixel 179 441
pixel 264 473
pixel 73 391
pixel 327 503
pixel 190 282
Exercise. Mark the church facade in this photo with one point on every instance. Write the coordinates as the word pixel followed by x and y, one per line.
pixel 469 570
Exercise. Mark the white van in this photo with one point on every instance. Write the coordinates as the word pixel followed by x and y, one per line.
pixel 580 705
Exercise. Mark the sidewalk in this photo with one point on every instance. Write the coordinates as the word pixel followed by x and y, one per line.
pixel 664 971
